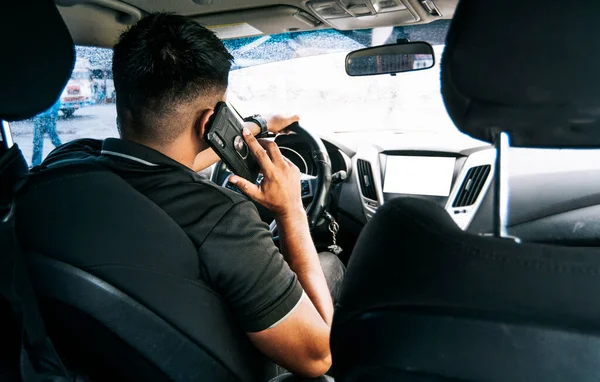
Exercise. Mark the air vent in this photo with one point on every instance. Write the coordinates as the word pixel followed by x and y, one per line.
pixel 365 175
pixel 471 186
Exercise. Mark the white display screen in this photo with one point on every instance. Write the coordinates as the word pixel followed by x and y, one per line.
pixel 418 175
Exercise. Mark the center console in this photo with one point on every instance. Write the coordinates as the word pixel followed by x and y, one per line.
pixel 456 181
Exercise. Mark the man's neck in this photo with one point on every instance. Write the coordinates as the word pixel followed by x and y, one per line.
pixel 175 150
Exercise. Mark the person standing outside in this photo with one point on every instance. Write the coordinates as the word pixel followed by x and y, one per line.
pixel 45 123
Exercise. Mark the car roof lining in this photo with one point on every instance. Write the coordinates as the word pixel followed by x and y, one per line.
pixel 100 22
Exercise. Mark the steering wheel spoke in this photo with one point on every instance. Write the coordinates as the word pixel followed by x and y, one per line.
pixel 308 184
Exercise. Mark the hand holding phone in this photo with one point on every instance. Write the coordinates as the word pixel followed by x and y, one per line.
pixel 278 190
pixel 223 134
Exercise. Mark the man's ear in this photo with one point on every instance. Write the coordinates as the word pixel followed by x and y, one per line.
pixel 201 122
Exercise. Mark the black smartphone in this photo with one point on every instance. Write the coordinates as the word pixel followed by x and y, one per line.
pixel 224 134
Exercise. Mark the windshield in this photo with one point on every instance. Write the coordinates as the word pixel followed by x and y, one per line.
pixel 304 73
pixel 269 78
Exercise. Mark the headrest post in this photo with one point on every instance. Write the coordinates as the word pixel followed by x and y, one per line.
pixel 501 197
pixel 6 135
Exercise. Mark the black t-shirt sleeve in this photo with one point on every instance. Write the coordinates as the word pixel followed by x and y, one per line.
pixel 243 264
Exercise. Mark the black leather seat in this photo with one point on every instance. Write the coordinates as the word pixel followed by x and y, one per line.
pixel 150 320
pixel 424 301
pixel 27 87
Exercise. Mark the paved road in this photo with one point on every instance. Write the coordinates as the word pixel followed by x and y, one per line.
pixel 90 122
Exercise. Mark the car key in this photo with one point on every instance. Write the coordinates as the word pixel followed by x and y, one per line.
pixel 334 228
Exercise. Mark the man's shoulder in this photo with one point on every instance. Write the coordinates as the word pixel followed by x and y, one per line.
pixel 78 149
pixel 198 206
pixel 187 196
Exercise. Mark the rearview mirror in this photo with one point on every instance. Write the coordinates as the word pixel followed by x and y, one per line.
pixel 390 59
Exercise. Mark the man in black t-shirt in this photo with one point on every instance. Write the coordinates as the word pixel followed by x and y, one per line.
pixel 169 73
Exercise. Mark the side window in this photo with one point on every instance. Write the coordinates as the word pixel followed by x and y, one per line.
pixel 85 109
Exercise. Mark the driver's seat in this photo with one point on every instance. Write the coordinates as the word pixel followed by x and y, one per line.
pixel 144 317
pixel 111 319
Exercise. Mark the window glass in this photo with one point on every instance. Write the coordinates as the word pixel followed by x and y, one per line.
pixel 86 109
pixel 303 73
pixel 295 72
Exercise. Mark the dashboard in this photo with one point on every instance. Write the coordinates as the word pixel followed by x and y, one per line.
pixel 457 172
pixel 299 153
pixel 454 175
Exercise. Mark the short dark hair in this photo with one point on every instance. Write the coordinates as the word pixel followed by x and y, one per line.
pixel 159 63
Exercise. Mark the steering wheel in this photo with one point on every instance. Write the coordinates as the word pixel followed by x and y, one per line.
pixel 319 184
pixel 315 187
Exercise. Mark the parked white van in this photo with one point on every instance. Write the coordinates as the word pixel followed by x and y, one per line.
pixel 80 90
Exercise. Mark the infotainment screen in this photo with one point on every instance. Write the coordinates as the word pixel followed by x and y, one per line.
pixel 418 175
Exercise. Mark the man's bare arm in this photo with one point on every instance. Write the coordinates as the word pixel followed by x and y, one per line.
pixel 301 255
pixel 300 342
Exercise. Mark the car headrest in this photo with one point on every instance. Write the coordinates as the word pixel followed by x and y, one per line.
pixel 37 57
pixel 526 67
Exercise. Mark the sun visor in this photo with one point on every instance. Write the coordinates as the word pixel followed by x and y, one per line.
pixel 97 22
pixel 259 21
pixel 529 68
pixel 37 58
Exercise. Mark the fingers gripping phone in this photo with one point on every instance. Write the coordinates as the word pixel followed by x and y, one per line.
pixel 223 134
